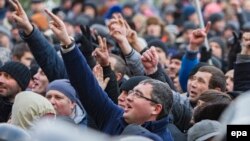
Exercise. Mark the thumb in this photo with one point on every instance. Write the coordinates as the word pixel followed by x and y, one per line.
pixel 154 53
pixel 98 53
pixel 53 28
pixel 106 81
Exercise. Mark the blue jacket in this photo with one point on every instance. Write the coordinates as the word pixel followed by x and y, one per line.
pixel 45 55
pixel 51 64
pixel 107 115
pixel 189 61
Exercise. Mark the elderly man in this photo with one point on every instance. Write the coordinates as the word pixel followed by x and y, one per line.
pixel 149 103
pixel 64 99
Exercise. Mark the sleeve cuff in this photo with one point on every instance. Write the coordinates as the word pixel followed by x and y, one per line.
pixel 68 49
pixel 191 54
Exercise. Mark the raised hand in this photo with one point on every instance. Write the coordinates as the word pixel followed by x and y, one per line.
pixel 101 53
pixel 98 73
pixel 117 28
pixel 131 34
pixel 86 40
pixel 58 28
pixel 198 36
pixel 21 17
pixel 150 60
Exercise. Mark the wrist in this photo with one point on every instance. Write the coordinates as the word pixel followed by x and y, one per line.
pixel 150 71
pixel 137 46
pixel 68 43
pixel 125 48
pixel 193 47
pixel 28 29
pixel 105 64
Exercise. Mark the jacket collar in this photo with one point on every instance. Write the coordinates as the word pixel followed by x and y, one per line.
pixel 158 125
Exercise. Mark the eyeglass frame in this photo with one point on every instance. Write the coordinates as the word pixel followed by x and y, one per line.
pixel 139 94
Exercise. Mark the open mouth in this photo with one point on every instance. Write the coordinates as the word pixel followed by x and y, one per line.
pixel 2 88
pixel 35 85
pixel 192 93
pixel 127 108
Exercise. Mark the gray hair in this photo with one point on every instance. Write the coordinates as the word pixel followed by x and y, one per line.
pixel 162 93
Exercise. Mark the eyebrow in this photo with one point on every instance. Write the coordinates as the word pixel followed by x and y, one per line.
pixel 201 79
pixel 139 92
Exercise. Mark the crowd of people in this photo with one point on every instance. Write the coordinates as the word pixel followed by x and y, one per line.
pixel 125 70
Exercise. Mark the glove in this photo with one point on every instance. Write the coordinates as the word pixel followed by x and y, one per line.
pixel 86 41
pixel 205 54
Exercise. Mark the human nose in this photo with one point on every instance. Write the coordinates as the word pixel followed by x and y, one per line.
pixel 36 76
pixel 194 83
pixel 52 100
pixel 130 97
pixel 122 98
pixel 2 79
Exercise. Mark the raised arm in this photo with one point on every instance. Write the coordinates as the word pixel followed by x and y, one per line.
pixel 43 52
pixel 150 61
pixel 102 56
pixel 190 59
pixel 96 102
pixel 119 32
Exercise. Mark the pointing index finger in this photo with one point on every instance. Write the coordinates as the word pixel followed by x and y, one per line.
pixel 207 28
pixel 54 17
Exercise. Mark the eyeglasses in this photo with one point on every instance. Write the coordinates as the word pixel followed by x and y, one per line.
pixel 138 94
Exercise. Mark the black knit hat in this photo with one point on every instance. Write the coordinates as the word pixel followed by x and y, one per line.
pixel 177 56
pixel 18 71
pixel 132 82
pixel 216 17
pixel 159 44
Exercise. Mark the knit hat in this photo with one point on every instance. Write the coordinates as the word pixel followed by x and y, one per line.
pixel 188 11
pixel 103 31
pixel 159 44
pixel 132 82
pixel 232 26
pixel 112 10
pixel 19 72
pixel 177 56
pixel 219 41
pixel 188 25
pixel 216 17
pixel 63 86
pixel 92 5
pixel 204 130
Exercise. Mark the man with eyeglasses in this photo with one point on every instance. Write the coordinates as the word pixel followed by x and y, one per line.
pixel 148 105
pixel 109 117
